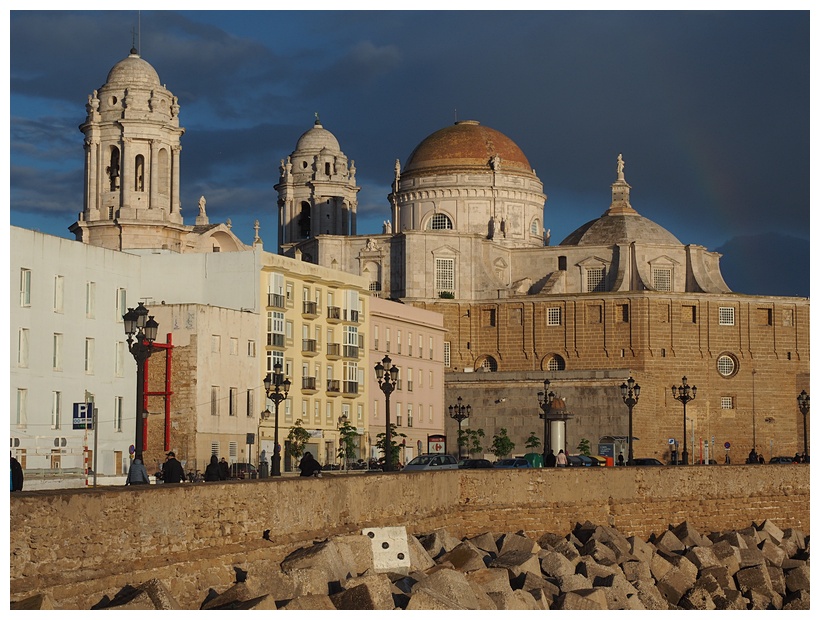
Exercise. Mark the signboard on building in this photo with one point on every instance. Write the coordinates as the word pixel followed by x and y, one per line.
pixel 436 444
pixel 81 417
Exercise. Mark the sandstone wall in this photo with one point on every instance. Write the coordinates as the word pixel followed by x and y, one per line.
pixel 79 545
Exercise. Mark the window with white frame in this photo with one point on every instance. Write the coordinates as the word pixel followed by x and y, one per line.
pixel 121 304
pixel 214 448
pixel 727 402
pixel 25 287
pixel 233 451
pixel 409 414
pixel 554 316
pixel 90 299
pixel 726 365
pixel 216 343
pixel 596 282
pixel 534 227
pixel 251 348
pixel 431 347
pixel 445 275
pixel 119 359
pixel 89 356
pixel 409 379
pixel 22 407
pixel 249 412
pixel 56 409
pixel 398 341
pixel 359 412
pixel 233 396
pixel 22 347
pixel 214 400
pixel 446 356
pixel 662 279
pixel 57 352
pixel 726 316
pixel 273 358
pixel 118 401
pixel 398 414
pixel 59 292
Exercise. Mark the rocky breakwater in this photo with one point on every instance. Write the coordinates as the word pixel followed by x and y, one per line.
pixel 593 567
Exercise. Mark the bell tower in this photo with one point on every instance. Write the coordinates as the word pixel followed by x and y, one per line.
pixel 317 190
pixel 132 151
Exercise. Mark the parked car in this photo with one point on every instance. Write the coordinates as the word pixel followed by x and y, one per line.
pixel 243 471
pixel 475 464
pixel 781 459
pixel 646 461
pixel 432 462
pixel 512 463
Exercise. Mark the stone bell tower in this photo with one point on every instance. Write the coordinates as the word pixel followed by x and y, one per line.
pixel 132 149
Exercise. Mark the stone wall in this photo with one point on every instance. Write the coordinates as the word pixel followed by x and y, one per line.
pixel 79 545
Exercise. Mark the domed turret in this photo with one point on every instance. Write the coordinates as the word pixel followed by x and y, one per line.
pixel 133 70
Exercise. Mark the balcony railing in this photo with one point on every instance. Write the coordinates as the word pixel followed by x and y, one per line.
pixel 334 313
pixel 351 387
pixel 351 316
pixel 310 308
pixel 308 346
pixel 351 352
pixel 276 340
pixel 334 350
pixel 333 386
pixel 308 383
pixel 276 300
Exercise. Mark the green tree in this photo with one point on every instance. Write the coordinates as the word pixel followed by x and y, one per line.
pixel 298 438
pixel 347 442
pixel 502 445
pixel 532 442
pixel 395 447
pixel 471 439
pixel 583 447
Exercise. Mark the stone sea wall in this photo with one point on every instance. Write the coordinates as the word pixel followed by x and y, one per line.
pixel 78 545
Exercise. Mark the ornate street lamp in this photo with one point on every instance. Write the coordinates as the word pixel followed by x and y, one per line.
pixel 803 404
pixel 545 399
pixel 630 392
pixel 387 376
pixel 459 413
pixel 684 394
pixel 276 390
pixel 141 331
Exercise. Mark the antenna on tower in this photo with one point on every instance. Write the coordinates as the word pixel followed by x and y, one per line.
pixel 136 35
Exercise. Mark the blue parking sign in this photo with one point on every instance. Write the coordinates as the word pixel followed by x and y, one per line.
pixel 82 416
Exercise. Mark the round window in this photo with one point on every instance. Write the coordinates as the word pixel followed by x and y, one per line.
pixel 726 365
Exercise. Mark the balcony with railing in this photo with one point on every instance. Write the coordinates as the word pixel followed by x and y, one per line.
pixel 309 347
pixel 334 314
pixel 276 340
pixel 333 388
pixel 309 385
pixel 334 350
pixel 275 300
pixel 310 309
pixel 351 316
pixel 350 388
pixel 350 352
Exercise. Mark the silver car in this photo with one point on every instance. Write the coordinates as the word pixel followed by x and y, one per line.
pixel 432 462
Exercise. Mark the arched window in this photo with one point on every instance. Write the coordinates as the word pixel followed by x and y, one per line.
pixel 488 364
pixel 114 169
pixel 327 168
pixel 553 363
pixel 375 286
pixel 440 222
pixel 534 227
pixel 164 170
pixel 139 173
pixel 304 221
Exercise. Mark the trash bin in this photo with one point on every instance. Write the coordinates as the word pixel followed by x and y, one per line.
pixel 534 459
pixel 610 462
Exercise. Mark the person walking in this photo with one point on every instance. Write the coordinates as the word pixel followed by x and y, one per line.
pixel 213 472
pixel 172 470
pixel 224 470
pixel 309 466
pixel 16 475
pixel 551 460
pixel 561 459
pixel 137 474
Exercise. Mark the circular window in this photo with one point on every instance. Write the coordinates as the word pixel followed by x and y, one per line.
pixel 727 365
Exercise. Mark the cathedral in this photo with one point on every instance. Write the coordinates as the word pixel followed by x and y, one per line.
pixel 467 236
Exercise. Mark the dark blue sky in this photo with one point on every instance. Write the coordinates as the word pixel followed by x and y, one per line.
pixel 710 109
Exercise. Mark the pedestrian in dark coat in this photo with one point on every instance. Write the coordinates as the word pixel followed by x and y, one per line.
pixel 213 472
pixel 309 466
pixel 550 459
pixel 223 468
pixel 172 470
pixel 16 475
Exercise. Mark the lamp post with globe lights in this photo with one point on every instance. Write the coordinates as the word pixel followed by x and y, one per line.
pixel 460 412
pixel 803 404
pixel 684 393
pixel 276 390
pixel 545 399
pixel 630 392
pixel 387 376
pixel 141 331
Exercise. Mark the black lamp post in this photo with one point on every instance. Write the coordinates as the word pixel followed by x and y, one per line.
pixel 141 331
pixel 803 404
pixel 684 394
pixel 276 390
pixel 459 413
pixel 387 375
pixel 545 399
pixel 630 392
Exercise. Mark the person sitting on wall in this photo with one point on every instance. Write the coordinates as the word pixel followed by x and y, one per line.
pixel 309 466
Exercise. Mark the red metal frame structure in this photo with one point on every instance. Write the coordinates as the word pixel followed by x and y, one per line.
pixel 166 394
